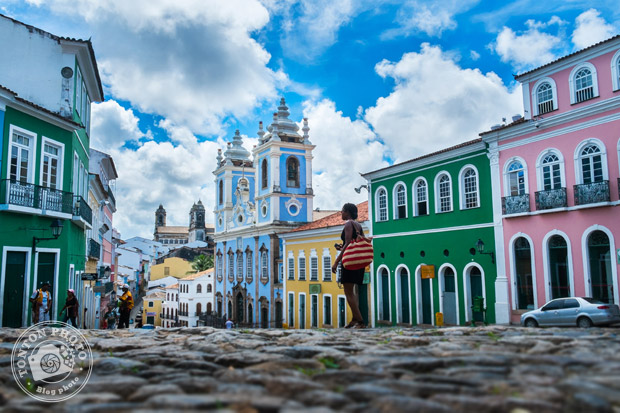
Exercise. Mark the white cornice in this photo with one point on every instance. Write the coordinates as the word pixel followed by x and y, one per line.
pixel 407 166
pixel 433 231
pixel 7 100
pixel 308 233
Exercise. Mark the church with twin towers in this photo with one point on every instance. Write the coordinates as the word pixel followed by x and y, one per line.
pixel 258 196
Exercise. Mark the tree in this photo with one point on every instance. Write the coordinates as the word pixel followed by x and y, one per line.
pixel 201 263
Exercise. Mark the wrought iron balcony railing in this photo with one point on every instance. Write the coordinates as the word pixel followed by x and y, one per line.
pixel 592 193
pixel 516 204
pixel 23 194
pixel 550 199
pixel 82 210
pixel 94 249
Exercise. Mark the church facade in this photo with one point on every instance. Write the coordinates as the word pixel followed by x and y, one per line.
pixel 178 235
pixel 258 196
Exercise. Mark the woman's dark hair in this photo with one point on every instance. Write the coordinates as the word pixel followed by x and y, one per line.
pixel 351 209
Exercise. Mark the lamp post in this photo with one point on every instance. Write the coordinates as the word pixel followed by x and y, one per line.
pixel 480 248
pixel 56 227
pixel 359 188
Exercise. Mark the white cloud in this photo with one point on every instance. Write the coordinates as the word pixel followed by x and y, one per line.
pixel 193 62
pixel 113 125
pixel 436 104
pixel 591 28
pixel 432 18
pixel 344 148
pixel 474 55
pixel 530 48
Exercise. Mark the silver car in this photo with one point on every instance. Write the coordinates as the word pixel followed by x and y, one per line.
pixel 583 312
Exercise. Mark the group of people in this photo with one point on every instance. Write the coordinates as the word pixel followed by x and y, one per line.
pixel 41 301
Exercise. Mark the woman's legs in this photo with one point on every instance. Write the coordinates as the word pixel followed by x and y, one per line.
pixel 349 292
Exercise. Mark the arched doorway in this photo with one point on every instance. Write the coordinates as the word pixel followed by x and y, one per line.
pixel 250 314
pixel 599 260
pixel 424 298
pixel 384 294
pixel 474 288
pixel 448 296
pixel 239 308
pixel 209 309
pixel 278 314
pixel 558 267
pixel 198 309
pixel 264 317
pixel 404 300
pixel 523 280
pixel 230 308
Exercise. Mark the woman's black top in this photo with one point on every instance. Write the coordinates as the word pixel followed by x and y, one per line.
pixel 72 306
pixel 351 276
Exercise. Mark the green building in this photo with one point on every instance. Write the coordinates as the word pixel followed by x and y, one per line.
pixel 45 96
pixel 430 217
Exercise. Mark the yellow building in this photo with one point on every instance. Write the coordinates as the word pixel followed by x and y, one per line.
pixel 152 308
pixel 173 266
pixel 313 298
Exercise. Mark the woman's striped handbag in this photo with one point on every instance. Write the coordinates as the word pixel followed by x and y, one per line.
pixel 358 254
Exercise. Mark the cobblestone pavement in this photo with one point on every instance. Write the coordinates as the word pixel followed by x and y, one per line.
pixel 483 369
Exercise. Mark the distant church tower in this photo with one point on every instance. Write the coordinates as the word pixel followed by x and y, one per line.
pixel 160 217
pixel 197 228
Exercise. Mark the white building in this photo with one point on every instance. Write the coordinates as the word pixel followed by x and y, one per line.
pixel 170 309
pixel 195 297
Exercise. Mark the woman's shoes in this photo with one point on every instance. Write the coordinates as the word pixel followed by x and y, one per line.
pixel 355 324
pixel 351 324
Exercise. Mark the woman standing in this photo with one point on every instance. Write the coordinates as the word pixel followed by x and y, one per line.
pixel 71 306
pixel 349 278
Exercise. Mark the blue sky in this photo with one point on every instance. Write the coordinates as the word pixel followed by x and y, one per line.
pixel 380 81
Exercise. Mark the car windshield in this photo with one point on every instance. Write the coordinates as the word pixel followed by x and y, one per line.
pixel 592 300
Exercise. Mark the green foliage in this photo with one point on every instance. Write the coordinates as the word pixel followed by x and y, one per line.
pixel 329 363
pixel 201 263
pixel 493 336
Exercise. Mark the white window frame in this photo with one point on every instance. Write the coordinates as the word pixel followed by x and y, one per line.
pixel 61 157
pixel 327 269
pixel 314 265
pixel 249 263
pixel 467 288
pixel 301 269
pixel 615 71
pixel 344 298
pixel 231 268
pixel 462 200
pixel 290 304
pixel 571 80
pixel 31 151
pixel 577 155
pixel 239 264
pixel 546 263
pixel 318 307
pixel 414 196
pixel 395 205
pixel 399 288
pixel 378 204
pixel 264 264
pixel 438 196
pixel 506 174
pixel 540 179
pixel 331 310
pixel 513 268
pixel 299 313
pixel 291 268
pixel 554 90
pixel 78 91
pixel 380 315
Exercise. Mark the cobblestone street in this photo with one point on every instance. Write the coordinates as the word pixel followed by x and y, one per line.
pixel 484 369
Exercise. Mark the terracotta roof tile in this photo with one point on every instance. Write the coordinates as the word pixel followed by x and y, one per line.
pixel 335 219
pixel 172 230
pixel 197 275
pixel 173 286
pixel 511 124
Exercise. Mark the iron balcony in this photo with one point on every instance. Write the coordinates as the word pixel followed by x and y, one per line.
pixel 516 204
pixel 592 193
pixel 43 200
pixel 551 199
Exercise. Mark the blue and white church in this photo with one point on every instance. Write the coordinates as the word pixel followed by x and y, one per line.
pixel 258 196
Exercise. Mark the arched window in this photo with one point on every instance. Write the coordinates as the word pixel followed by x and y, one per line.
pixel 198 309
pixel 591 164
pixel 420 190
pixel 583 83
pixel 400 204
pixel 264 265
pixel 264 172
pixel 198 289
pixel 551 172
pixel 221 192
pixel 599 257
pixel 444 193
pixel 209 288
pixel 231 266
pixel 382 214
pixel 292 172
pixel 469 188
pixel 384 294
pixel 615 71
pixel 248 264
pixel 523 274
pixel 558 267
pixel 544 98
pixel 239 265
pixel 516 179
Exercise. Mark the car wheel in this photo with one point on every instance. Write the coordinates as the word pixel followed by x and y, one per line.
pixel 530 322
pixel 584 322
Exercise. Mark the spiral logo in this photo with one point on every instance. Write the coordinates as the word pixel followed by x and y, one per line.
pixel 51 361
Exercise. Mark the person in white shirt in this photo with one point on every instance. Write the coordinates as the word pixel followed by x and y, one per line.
pixel 229 324
pixel 41 301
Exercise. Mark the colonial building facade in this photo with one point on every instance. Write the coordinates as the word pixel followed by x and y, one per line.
pixel 174 236
pixel 428 217
pixel 256 199
pixel 555 181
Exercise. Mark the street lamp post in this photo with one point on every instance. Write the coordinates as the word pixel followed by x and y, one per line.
pixel 56 227
pixel 480 248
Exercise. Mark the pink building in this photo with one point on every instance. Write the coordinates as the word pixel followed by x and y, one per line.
pixel 556 182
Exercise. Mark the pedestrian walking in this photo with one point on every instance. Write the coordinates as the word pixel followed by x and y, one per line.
pixel 41 301
pixel 350 278
pixel 229 324
pixel 71 308
pixel 126 304
pixel 110 317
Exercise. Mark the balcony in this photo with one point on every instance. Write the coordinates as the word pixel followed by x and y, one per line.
pixel 516 204
pixel 551 199
pixel 94 249
pixel 592 193
pixel 29 198
pixel 82 214
pixel 111 196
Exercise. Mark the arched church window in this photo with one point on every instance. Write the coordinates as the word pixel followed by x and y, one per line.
pixel 221 192
pixel 292 172
pixel 264 174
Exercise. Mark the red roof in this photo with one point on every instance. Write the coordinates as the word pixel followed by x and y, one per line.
pixel 335 220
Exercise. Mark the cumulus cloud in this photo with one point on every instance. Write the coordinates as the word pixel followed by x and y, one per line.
pixel 112 126
pixel 591 28
pixel 432 18
pixel 344 148
pixel 436 104
pixel 193 62
pixel 529 48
